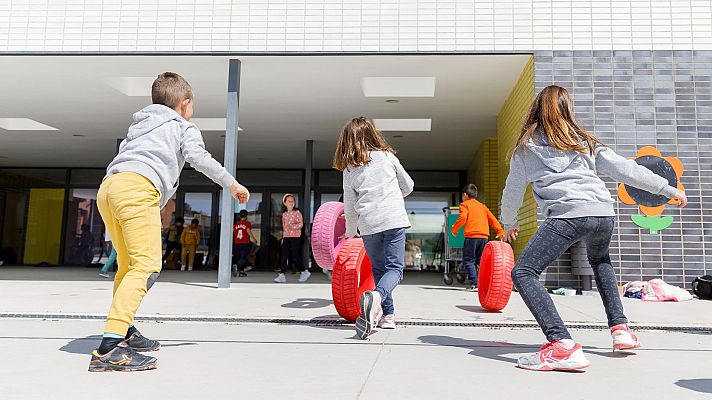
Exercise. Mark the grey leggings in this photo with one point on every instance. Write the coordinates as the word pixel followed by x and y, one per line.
pixel 553 238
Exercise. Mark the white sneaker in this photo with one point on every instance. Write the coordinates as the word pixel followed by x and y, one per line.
pixel 182 267
pixel 371 312
pixel 623 338
pixel 304 275
pixel 280 278
pixel 327 273
pixel 103 275
pixel 553 356
pixel 387 322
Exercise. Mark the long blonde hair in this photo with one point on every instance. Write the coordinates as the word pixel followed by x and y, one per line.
pixel 357 138
pixel 552 112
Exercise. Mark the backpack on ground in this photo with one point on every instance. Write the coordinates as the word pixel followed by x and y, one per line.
pixel 702 287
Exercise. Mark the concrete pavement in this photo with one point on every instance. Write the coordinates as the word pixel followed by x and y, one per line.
pixel 45 347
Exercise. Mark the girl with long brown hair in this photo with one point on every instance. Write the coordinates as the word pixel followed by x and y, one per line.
pixel 375 184
pixel 560 160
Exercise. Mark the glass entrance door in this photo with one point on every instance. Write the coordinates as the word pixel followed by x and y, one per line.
pixel 197 205
pixel 13 210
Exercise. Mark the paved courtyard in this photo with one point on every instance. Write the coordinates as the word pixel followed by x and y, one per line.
pixel 255 340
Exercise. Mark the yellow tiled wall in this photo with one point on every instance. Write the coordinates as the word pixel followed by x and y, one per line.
pixel 484 173
pixel 509 124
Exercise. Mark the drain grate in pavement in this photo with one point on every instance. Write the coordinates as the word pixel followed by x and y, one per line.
pixel 341 322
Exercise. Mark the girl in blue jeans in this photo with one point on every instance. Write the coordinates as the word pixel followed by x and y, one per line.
pixel 562 161
pixel 375 184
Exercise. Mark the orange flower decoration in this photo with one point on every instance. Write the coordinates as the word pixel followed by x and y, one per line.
pixel 669 168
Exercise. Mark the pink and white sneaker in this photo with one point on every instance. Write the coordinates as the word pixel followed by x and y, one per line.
pixel 623 338
pixel 554 356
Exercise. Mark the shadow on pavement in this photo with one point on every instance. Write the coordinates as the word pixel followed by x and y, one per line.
pixel 477 309
pixel 87 344
pixel 480 348
pixel 456 289
pixel 698 385
pixel 309 302
pixel 82 345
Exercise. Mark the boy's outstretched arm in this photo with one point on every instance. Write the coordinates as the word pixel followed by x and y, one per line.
pixel 492 220
pixel 193 150
pixel 461 220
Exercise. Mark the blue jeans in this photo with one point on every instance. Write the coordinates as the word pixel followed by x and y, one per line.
pixel 386 250
pixel 548 243
pixel 471 255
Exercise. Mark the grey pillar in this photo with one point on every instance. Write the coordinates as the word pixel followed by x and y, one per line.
pixel 307 202
pixel 227 210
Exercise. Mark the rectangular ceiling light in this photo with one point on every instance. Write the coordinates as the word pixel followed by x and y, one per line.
pixel 24 124
pixel 211 124
pixel 393 86
pixel 410 124
pixel 133 86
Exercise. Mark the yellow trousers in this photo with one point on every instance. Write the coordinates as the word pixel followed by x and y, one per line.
pixel 189 251
pixel 129 204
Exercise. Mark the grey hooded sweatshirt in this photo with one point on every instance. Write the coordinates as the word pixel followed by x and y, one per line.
pixel 158 144
pixel 566 185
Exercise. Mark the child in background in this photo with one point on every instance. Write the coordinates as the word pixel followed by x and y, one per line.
pixel 104 273
pixel 242 232
pixel 140 181
pixel 292 223
pixel 561 161
pixel 477 220
pixel 173 235
pixel 375 184
pixel 189 240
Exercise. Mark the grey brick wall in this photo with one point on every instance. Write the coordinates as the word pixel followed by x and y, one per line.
pixel 632 99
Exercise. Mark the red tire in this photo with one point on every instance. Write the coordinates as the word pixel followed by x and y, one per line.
pixel 495 278
pixel 327 229
pixel 352 276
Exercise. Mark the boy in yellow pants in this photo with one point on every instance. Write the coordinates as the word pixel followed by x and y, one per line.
pixel 189 240
pixel 138 183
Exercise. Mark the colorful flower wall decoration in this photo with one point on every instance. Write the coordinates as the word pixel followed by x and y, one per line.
pixel 652 205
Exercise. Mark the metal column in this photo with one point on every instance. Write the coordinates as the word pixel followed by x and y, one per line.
pixel 227 210
pixel 307 207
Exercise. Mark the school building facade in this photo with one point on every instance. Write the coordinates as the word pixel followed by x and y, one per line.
pixel 640 73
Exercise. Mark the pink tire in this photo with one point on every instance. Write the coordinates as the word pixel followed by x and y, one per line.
pixel 327 229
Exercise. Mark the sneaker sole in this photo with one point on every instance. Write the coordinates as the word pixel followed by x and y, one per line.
pixel 121 368
pixel 363 324
pixel 560 366
pixel 626 346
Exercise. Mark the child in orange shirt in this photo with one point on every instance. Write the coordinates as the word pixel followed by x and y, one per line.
pixel 477 219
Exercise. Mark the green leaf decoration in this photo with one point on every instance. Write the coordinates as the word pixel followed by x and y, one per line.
pixel 654 224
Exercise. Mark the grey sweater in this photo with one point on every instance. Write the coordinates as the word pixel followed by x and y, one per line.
pixel 373 195
pixel 158 144
pixel 565 184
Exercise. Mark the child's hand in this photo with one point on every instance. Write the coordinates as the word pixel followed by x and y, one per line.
pixel 681 197
pixel 510 235
pixel 240 193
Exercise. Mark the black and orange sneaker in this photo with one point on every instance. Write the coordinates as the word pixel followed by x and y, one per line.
pixel 121 359
pixel 139 343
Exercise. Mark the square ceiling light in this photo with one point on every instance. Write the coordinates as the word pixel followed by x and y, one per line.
pixel 133 86
pixel 211 124
pixel 394 86
pixel 24 124
pixel 408 124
